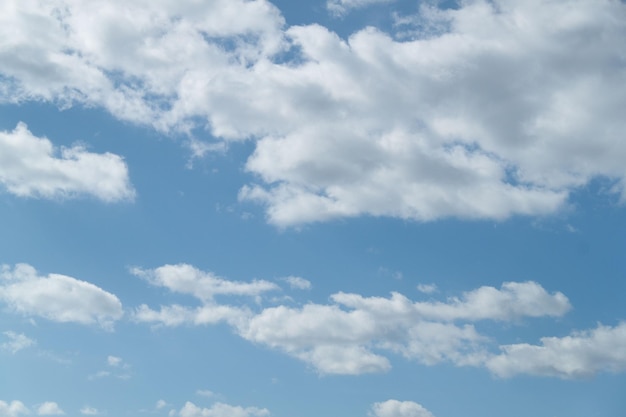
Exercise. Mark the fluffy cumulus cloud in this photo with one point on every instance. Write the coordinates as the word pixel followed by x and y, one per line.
pixel 580 354
pixel 395 408
pixel 13 409
pixel 298 283
pixel 488 110
pixel 17 342
pixel 57 297
pixel 354 334
pixel 49 408
pixel 221 410
pixel 31 166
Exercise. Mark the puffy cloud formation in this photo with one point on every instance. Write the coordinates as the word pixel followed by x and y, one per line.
pixel 395 408
pixel 31 166
pixel 579 355
pixel 492 109
pixel 49 408
pixel 57 297
pixel 353 334
pixel 13 409
pixel 17 342
pixel 221 410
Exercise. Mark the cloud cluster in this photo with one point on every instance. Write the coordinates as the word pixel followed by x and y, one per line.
pixel 354 334
pixel 503 109
pixel 31 166
pixel 221 410
pixel 17 408
pixel 57 297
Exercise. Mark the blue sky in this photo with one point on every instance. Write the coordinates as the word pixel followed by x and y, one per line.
pixel 376 208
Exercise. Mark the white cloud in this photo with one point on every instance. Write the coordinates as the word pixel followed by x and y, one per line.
pixel 114 361
pixel 13 409
pixel 17 342
pixel 186 279
pixel 513 301
pixel 49 408
pixel 161 404
pixel 31 166
pixel 221 410
pixel 298 283
pixel 579 355
pixel 427 288
pixel 340 7
pixel 353 334
pixel 205 393
pixel 90 411
pixel 57 297
pixel 492 115
pixel 395 408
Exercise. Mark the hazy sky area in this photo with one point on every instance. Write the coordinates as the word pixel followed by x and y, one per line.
pixel 317 208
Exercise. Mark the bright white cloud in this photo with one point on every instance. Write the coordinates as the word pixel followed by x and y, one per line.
pixel 221 410
pixel 31 166
pixel 298 283
pixel 580 354
pixel 493 114
pixel 13 409
pixel 57 297
pixel 161 404
pixel 17 342
pixel 395 408
pixel 49 408
pixel 186 279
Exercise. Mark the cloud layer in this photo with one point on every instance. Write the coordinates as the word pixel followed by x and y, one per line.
pixel 493 109
pixel 31 166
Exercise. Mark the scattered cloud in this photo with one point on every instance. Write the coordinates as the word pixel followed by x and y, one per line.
pixel 57 297
pixel 395 408
pixel 49 408
pixel 16 342
pixel 117 368
pixel 31 166
pixel 427 288
pixel 205 393
pixel 186 279
pixel 298 283
pixel 90 411
pixel 161 404
pixel 13 409
pixel 114 361
pixel 221 410
pixel 340 7
pixel 353 334
pixel 580 354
